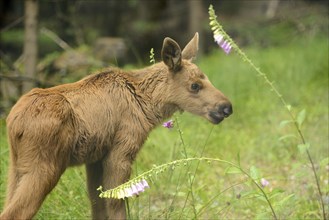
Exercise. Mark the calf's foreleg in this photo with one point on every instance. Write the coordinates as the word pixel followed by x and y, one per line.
pixel 94 180
pixel 117 169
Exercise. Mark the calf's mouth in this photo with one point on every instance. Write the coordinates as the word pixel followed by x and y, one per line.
pixel 223 111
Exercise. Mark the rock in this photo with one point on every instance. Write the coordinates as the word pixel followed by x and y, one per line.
pixel 71 60
pixel 110 49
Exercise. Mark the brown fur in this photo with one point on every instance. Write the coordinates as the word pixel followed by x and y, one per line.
pixel 101 121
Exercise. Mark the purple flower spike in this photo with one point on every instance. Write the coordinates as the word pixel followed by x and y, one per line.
pixel 128 192
pixel 224 44
pixel 228 50
pixel 131 191
pixel 134 190
pixel 218 38
pixel 121 194
pixel 226 47
pixel 140 187
pixel 264 182
pixel 169 124
pixel 145 184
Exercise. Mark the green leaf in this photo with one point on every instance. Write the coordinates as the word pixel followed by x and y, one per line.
pixel 287 136
pixel 254 173
pixel 324 161
pixel 286 199
pixel 263 215
pixel 285 122
pixel 301 117
pixel 250 193
pixel 275 192
pixel 152 60
pixel 198 207
pixel 303 147
pixel 288 107
pixel 232 170
pixel 282 202
pixel 181 194
pixel 238 158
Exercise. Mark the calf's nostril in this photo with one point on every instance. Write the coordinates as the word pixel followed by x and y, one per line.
pixel 226 109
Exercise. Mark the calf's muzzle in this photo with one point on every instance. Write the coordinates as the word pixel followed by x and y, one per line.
pixel 223 110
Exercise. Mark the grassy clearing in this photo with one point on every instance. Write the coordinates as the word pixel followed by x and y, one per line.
pixel 300 72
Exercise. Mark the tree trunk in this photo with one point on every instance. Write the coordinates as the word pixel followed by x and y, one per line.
pixel 195 20
pixel 272 8
pixel 30 42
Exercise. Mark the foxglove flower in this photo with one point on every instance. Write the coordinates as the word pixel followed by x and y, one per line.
pixel 132 190
pixel 128 192
pixel 145 184
pixel 169 124
pixel 264 182
pixel 121 194
pixel 224 44
pixel 140 187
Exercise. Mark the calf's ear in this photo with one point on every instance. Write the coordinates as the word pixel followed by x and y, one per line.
pixel 191 49
pixel 171 54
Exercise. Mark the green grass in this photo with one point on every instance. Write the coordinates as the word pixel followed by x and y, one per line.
pixel 300 72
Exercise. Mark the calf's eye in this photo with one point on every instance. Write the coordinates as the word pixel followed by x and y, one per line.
pixel 195 87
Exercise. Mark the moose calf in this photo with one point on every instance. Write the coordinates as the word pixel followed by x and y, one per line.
pixel 101 121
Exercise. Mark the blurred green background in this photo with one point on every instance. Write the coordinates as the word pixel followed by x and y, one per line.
pixel 288 40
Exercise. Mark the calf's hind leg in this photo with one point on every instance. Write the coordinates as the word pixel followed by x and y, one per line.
pixel 31 190
pixel 13 180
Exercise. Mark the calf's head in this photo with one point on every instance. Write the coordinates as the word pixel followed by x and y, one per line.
pixel 189 87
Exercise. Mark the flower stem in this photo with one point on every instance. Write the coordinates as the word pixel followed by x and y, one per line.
pixel 156 169
pixel 189 177
pixel 292 116
pixel 215 197
pixel 262 191
pixel 216 27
